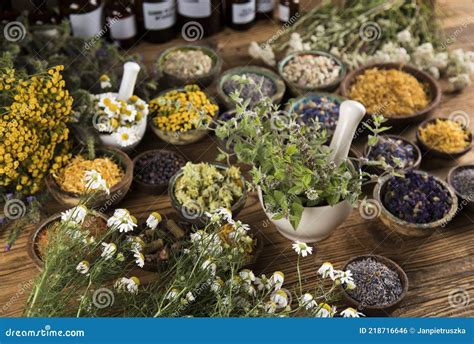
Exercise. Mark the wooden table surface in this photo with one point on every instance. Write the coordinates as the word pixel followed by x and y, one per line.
pixel 437 266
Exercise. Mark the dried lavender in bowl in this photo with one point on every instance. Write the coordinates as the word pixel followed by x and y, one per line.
pixel 376 284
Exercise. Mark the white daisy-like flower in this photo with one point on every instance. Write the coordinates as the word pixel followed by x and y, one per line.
pixel 172 294
pixel 250 289
pixel 280 297
pixel 94 181
pixel 217 284
pixel 344 276
pixel 247 275
pixel 327 270
pixel 139 258
pixel 263 282
pixel 350 285
pixel 278 278
pixel 105 81
pixel 210 266
pixel 351 313
pixel 153 220
pixel 136 243
pixel 270 307
pixel 108 250
pixel 83 267
pixel 190 297
pixel 125 136
pixel 307 301
pixel 195 237
pixel 325 311
pixel 128 284
pixel 122 221
pixel 302 249
pixel 76 214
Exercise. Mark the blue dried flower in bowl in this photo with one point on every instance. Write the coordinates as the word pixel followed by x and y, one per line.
pixel 415 204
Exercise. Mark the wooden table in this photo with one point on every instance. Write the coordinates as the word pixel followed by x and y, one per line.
pixel 436 266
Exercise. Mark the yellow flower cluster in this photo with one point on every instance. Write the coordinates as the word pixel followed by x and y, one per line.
pixel 33 128
pixel 182 110
pixel 445 136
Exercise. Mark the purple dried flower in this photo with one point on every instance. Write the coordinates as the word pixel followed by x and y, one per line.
pixel 417 198
pixel 387 149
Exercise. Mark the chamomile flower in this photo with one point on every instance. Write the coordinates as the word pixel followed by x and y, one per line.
pixel 153 220
pixel 126 136
pixel 128 284
pixel 280 298
pixel 325 311
pixel 327 270
pixel 139 258
pixel 94 181
pixel 307 301
pixel 209 266
pixel 190 297
pixel 250 289
pixel 108 250
pixel 278 278
pixel 247 275
pixel 172 294
pixel 302 249
pixel 75 215
pixel 270 307
pixel 122 221
pixel 345 276
pixel 351 313
pixel 350 285
pixel 136 243
pixel 83 267
pixel 217 284
pixel 263 282
pixel 105 81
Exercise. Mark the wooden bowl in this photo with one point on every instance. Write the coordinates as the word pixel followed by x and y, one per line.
pixel 201 80
pixel 117 192
pixel 416 151
pixel 464 200
pixel 200 218
pixel 409 229
pixel 229 103
pixel 32 245
pixel 298 90
pixel 152 189
pixel 434 153
pixel 377 310
pixel 180 138
pixel 433 89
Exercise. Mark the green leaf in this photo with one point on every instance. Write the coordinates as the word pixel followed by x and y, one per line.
pixel 296 212
pixel 280 199
pixel 291 149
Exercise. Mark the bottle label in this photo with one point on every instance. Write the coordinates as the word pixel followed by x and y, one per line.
pixel 87 25
pixel 122 28
pixel 264 5
pixel 159 16
pixel 284 13
pixel 243 13
pixel 195 8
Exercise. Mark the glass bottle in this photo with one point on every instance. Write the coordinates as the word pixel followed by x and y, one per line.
pixel 86 17
pixel 198 18
pixel 288 11
pixel 241 13
pixel 265 9
pixel 121 20
pixel 157 19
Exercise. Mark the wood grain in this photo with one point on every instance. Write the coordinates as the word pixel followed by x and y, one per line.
pixel 436 266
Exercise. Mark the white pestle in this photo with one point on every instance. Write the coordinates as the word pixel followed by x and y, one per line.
pixel 129 78
pixel 350 115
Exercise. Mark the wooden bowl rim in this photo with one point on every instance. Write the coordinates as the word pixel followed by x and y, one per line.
pixel 390 264
pixel 31 243
pixel 126 163
pixel 417 161
pixel 342 74
pixel 407 68
pixel 423 226
pixel 438 152
pixel 154 151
